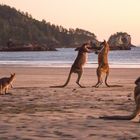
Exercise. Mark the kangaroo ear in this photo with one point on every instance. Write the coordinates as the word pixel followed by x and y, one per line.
pixel 12 74
pixel 77 49
pixel 104 41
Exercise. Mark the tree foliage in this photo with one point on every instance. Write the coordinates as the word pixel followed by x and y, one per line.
pixel 24 29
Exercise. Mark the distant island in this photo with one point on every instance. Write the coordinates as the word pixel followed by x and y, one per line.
pixel 21 32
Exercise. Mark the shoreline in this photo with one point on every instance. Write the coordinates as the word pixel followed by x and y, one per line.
pixel 68 65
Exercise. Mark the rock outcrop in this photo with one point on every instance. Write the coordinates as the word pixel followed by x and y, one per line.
pixel 11 46
pixel 120 41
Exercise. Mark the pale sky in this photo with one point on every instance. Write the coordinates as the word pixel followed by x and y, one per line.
pixel 102 17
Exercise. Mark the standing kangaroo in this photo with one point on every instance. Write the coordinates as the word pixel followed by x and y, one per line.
pixel 5 83
pixel 77 66
pixel 135 116
pixel 103 66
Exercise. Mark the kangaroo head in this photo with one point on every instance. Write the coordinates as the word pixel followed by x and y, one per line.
pixel 84 48
pixel 103 45
pixel 12 76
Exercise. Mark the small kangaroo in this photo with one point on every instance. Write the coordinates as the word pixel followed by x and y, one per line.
pixel 135 116
pixel 6 82
pixel 77 66
pixel 103 66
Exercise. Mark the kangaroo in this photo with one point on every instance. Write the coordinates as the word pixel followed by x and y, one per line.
pixel 77 66
pixel 103 66
pixel 6 82
pixel 135 116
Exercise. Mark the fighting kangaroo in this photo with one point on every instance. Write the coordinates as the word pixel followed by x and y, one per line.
pixel 77 66
pixel 135 116
pixel 103 66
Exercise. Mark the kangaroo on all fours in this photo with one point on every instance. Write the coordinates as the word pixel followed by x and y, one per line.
pixel 135 116
pixel 77 66
pixel 6 83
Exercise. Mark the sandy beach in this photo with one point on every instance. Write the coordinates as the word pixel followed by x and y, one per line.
pixel 36 112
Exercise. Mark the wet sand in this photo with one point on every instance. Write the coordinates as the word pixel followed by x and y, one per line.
pixel 36 112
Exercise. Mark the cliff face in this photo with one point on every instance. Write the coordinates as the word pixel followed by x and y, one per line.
pixel 120 41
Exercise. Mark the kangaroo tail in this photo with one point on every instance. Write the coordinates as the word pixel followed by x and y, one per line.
pixel 61 86
pixel 110 85
pixel 115 86
pixel 129 117
pixel 66 83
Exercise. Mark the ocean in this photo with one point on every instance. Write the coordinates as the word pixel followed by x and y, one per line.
pixel 64 57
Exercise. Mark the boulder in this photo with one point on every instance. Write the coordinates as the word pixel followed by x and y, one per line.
pixel 120 41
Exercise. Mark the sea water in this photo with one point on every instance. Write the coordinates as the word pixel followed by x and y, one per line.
pixel 64 57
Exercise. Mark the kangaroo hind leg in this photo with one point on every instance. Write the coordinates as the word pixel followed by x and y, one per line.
pixel 6 89
pixel 99 75
pixel 107 74
pixel 79 77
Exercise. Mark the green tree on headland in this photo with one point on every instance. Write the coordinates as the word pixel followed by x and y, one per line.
pixel 22 28
pixel 18 29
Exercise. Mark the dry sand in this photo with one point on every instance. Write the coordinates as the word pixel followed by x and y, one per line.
pixel 36 112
